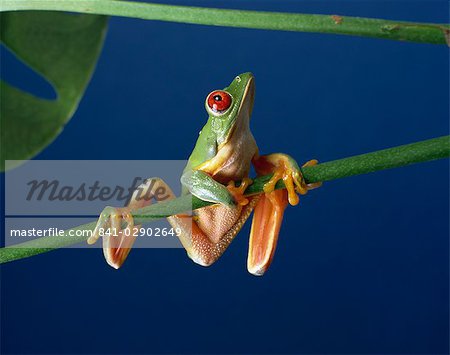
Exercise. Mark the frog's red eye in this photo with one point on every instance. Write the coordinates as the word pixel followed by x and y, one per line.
pixel 219 101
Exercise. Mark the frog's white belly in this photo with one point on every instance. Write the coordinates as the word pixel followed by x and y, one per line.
pixel 233 159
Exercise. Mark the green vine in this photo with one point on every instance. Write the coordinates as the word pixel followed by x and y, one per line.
pixel 432 149
pixel 335 24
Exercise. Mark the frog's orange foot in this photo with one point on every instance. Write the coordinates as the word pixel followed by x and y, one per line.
pixel 238 192
pixel 286 169
pixel 117 240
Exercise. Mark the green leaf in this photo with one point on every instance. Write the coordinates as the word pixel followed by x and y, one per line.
pixel 64 49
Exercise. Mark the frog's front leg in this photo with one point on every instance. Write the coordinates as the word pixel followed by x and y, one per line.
pixel 116 225
pixel 203 186
pixel 268 214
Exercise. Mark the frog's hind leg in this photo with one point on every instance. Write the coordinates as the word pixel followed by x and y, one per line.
pixel 117 241
pixel 211 230
pixel 266 224
pixel 269 211
pixel 209 233
pixel 122 234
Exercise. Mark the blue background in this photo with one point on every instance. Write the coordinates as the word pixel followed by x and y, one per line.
pixel 362 263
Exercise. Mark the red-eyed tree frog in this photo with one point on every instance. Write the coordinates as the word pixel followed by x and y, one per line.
pixel 223 154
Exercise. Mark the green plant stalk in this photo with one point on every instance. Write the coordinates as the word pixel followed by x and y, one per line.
pixel 343 25
pixel 428 150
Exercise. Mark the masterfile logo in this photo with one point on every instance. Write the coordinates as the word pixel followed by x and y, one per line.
pixel 63 199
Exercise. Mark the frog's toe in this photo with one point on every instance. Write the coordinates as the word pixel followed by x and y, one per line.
pixel 238 191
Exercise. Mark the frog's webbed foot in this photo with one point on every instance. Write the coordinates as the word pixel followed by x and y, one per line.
pixel 285 168
pixel 268 214
pixel 116 227
pixel 238 191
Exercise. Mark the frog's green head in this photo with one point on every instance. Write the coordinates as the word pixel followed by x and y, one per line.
pixel 231 106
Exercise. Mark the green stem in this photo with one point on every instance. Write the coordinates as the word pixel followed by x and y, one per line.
pixel 344 25
pixel 428 150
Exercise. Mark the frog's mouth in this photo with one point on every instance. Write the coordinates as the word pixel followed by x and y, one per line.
pixel 248 97
pixel 244 107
